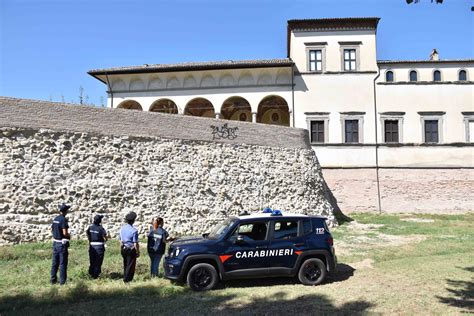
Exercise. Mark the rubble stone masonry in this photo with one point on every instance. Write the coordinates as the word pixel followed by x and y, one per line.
pixel 113 161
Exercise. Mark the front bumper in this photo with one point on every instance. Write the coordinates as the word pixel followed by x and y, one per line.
pixel 172 267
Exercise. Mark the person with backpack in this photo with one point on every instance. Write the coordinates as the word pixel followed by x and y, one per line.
pixel 157 238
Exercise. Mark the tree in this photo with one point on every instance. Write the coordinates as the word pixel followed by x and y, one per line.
pixel 81 95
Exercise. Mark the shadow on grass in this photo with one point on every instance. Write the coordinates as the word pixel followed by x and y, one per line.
pixel 343 272
pixel 462 293
pixel 164 300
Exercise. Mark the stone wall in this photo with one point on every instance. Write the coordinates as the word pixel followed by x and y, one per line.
pixel 50 153
pixel 439 191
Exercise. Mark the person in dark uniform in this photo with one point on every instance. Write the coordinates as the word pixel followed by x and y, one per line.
pixel 60 245
pixel 129 246
pixel 97 237
pixel 157 238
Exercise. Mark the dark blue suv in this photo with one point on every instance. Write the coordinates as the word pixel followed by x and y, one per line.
pixel 268 244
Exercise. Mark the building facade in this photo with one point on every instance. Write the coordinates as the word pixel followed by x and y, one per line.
pixel 360 112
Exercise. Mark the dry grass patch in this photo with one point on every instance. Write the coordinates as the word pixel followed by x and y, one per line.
pixel 386 265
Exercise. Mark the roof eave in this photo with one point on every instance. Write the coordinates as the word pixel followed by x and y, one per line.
pixel 187 68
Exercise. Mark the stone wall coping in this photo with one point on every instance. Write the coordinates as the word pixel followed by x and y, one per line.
pixel 36 114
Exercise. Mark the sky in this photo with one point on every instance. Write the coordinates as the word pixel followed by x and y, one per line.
pixel 47 46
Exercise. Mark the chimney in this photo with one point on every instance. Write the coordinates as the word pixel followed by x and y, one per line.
pixel 434 55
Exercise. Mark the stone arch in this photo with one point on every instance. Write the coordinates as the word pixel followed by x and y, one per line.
pixel 236 109
pixel 189 82
pixel 208 81
pixel 273 109
pixel 264 79
pixel 130 105
pixel 246 79
pixel 155 83
pixel 173 82
pixel 118 85
pixel 200 107
pixel 164 106
pixel 136 84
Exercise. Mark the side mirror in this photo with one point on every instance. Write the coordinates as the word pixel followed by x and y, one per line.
pixel 240 239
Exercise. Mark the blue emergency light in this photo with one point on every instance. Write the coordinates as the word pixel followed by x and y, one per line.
pixel 277 213
pixel 267 210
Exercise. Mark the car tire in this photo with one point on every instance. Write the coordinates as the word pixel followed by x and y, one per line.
pixel 202 277
pixel 312 272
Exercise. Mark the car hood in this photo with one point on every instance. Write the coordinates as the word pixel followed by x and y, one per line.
pixel 191 240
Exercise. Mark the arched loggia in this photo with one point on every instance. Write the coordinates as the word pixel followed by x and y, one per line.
pixel 200 107
pixel 164 106
pixel 273 110
pixel 130 105
pixel 236 109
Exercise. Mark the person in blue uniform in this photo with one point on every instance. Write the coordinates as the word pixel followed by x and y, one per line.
pixel 61 238
pixel 97 237
pixel 157 238
pixel 129 247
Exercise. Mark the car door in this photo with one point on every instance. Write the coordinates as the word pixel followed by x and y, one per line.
pixel 245 253
pixel 287 242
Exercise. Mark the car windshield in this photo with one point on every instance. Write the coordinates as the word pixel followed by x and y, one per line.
pixel 222 228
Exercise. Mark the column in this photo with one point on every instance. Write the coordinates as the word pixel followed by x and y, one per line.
pixel 291 118
pixel 254 117
pixel 218 115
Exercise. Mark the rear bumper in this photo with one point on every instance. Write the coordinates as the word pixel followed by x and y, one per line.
pixel 332 260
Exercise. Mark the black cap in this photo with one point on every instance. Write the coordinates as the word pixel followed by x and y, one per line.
pixel 64 207
pixel 98 219
pixel 131 216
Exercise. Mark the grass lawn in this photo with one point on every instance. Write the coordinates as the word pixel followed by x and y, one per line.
pixel 408 264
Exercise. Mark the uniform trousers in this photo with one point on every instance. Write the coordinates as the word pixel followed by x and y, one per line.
pixel 96 257
pixel 60 258
pixel 129 256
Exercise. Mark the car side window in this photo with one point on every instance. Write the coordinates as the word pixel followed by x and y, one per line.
pixel 285 229
pixel 307 226
pixel 252 231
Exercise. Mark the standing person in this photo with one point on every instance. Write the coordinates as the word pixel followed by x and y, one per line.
pixel 97 237
pixel 61 238
pixel 157 238
pixel 129 246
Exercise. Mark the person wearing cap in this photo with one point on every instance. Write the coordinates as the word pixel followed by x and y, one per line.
pixel 97 237
pixel 129 246
pixel 61 238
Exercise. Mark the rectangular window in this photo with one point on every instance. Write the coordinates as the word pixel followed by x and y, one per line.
pixel 470 131
pixel 252 231
pixel 351 131
pixel 315 60
pixel 391 131
pixel 285 230
pixel 349 59
pixel 317 131
pixel 431 131
pixel 307 228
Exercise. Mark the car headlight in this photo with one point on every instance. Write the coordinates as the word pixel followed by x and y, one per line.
pixel 175 252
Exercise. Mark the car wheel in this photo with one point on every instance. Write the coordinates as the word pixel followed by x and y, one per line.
pixel 312 272
pixel 202 277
